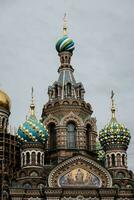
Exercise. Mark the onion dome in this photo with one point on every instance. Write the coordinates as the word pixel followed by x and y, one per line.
pixel 5 101
pixel 32 130
pixel 65 43
pixel 114 133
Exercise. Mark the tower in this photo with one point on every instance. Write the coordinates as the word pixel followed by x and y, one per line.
pixel 9 150
pixel 66 115
pixel 32 136
pixel 5 105
pixel 115 138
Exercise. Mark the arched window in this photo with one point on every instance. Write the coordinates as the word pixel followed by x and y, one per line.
pixel 23 159
pixel 118 160
pixel 88 137
pixel 113 160
pixel 52 134
pixel 56 91
pixel 120 175
pixel 71 135
pixel 27 158
pixel 108 160
pixel 69 89
pixel 42 158
pixel 27 186
pixel 38 158
pixel 33 158
pixel 123 160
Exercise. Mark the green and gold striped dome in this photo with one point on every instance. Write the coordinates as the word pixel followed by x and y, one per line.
pixel 114 133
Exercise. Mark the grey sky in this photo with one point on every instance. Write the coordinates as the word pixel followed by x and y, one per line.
pixel 103 32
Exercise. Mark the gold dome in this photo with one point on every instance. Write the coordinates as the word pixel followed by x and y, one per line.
pixel 4 100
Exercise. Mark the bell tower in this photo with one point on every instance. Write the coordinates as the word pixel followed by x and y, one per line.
pixel 66 115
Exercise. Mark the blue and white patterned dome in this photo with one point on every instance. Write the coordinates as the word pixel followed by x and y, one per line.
pixel 32 130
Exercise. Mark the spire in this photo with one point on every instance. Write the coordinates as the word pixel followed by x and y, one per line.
pixel 32 106
pixel 113 105
pixel 64 25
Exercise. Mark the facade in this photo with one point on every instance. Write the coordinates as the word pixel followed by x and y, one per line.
pixel 57 158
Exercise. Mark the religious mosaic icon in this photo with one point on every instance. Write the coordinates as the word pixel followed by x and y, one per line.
pixel 79 177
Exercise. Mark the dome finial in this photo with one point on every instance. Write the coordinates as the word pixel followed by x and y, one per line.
pixel 113 105
pixel 32 106
pixel 64 25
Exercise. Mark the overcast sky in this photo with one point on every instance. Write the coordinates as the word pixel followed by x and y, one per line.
pixel 103 59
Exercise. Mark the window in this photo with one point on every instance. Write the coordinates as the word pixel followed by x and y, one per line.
pixel 52 133
pixel 27 158
pixel 27 186
pixel 88 139
pixel 69 89
pixel 56 91
pixel 38 158
pixel 113 160
pixel 23 159
pixel 108 160
pixel 71 135
pixel 123 160
pixel 118 160
pixel 33 158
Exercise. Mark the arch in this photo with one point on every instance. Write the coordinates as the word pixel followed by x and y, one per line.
pixel 129 186
pixel 34 174
pixel 88 136
pixel 27 185
pixel 23 159
pixel 71 116
pixel 69 88
pixel 56 104
pixel 118 159
pixel 75 103
pixel 41 186
pixel 42 158
pixel 27 158
pixel 56 91
pixel 123 159
pixel 33 157
pixel 91 122
pixel 120 174
pixel 38 158
pixel 51 119
pixel 116 186
pixel 71 135
pixel 49 105
pixel 65 102
pixel 130 174
pixel 113 160
pixel 52 135
pixel 83 105
pixel 108 160
pixel 79 162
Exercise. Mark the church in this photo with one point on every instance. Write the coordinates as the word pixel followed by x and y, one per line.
pixel 62 156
